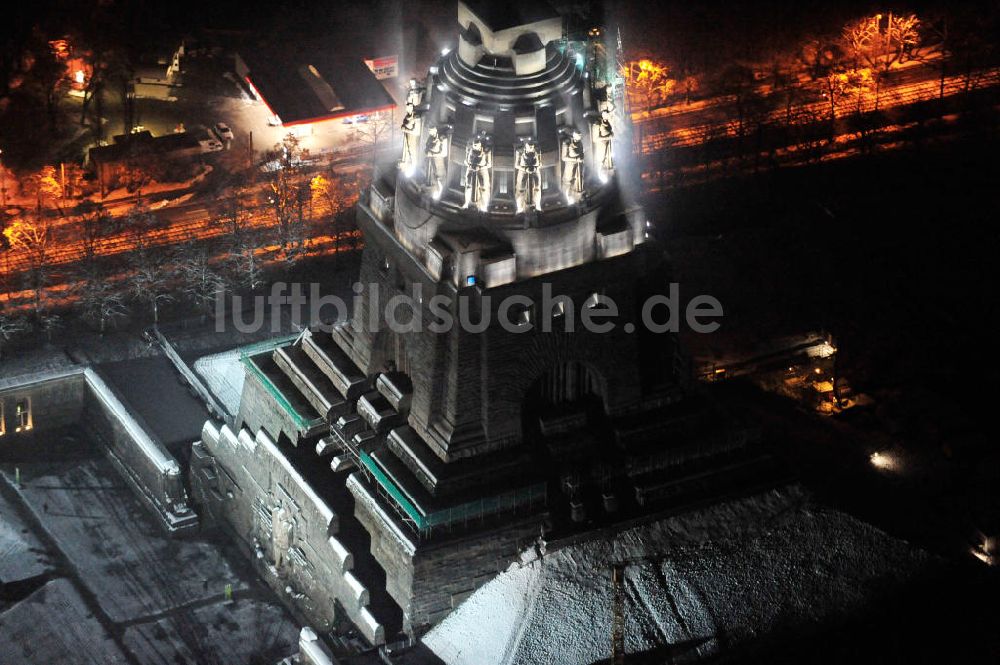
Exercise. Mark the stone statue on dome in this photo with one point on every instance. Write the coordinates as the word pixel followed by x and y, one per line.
pixel 528 168
pixel 414 94
pixel 604 140
pixel 410 128
pixel 436 153
pixel 572 166
pixel 478 162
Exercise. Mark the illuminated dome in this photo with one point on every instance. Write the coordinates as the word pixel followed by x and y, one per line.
pixel 507 170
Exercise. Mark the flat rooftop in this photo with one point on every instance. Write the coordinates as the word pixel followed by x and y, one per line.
pixel 309 84
pixel 145 143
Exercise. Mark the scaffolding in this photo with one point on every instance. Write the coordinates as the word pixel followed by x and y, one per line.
pixel 247 355
pixel 461 514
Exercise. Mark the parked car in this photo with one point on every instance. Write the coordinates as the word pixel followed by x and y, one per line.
pixel 223 131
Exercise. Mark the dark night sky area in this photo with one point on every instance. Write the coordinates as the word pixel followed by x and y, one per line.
pixel 646 23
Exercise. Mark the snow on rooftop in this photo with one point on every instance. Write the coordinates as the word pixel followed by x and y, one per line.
pixel 731 572
pixel 22 556
pixel 223 375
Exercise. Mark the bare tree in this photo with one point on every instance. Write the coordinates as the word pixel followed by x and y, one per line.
pixel 44 185
pixel 648 84
pixel 373 131
pixel 245 264
pixel 836 84
pixel 737 82
pixel 201 283
pixel 96 224
pixel 139 225
pixel 5 248
pixel 49 323
pixel 818 54
pixel 333 196
pixel 242 265
pixel 881 47
pixel 233 208
pixel 150 280
pixel 102 304
pixel 10 327
pixel 285 194
pixel 973 44
pixel 32 239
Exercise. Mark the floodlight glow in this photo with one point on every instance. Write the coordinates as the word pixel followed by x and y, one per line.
pixel 883 461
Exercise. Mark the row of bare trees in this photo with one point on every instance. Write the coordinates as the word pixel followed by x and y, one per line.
pixel 105 286
pixel 956 39
pixel 789 95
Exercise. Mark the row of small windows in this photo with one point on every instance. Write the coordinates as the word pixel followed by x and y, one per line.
pixel 503 181
pixel 522 314
pixel 21 416
pixel 523 126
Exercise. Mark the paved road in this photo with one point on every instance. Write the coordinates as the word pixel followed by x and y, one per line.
pixel 680 125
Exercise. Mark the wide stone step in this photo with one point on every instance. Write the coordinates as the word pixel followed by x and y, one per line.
pixel 287 395
pixel 396 387
pixel 378 412
pixel 335 364
pixel 312 382
pixel 415 454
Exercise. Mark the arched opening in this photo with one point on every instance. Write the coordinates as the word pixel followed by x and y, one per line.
pixel 567 396
pixel 389 353
pixel 472 35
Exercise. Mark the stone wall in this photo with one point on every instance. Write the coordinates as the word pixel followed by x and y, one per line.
pixel 56 402
pixel 429 579
pixel 469 388
pixel 245 483
pixel 77 396
pixel 259 410
pixel 147 466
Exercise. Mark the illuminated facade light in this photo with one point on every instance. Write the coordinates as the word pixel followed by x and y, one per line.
pixel 883 461
pixel 22 416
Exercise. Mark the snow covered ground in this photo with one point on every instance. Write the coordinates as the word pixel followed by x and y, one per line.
pixel 127 562
pixel 123 585
pixel 219 632
pixel 223 376
pixel 699 584
pixel 53 625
